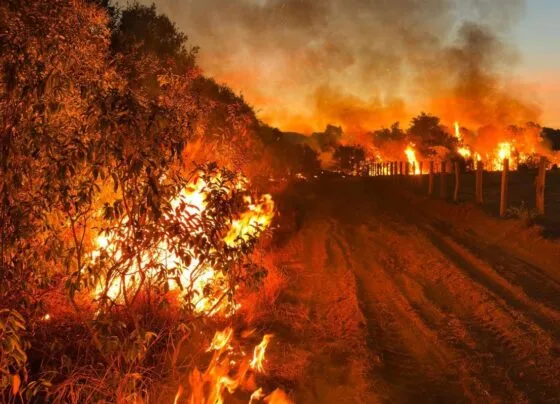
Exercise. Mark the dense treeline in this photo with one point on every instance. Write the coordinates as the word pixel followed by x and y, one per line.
pixel 103 112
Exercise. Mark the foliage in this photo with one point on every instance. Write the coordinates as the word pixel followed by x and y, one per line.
pixel 349 157
pixel 329 139
pixel 96 116
pixel 527 215
pixel 12 353
pixel 392 134
pixel 285 158
pixel 553 136
pixel 426 133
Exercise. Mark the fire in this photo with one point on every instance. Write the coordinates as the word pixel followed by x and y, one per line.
pixel 229 370
pixel 465 152
pixel 411 156
pixel 258 354
pixel 196 278
pixel 258 216
pixel 503 151
pixel 458 132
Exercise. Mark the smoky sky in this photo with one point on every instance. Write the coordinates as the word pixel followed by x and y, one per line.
pixel 359 63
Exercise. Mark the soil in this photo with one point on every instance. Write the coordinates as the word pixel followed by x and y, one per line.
pixel 407 299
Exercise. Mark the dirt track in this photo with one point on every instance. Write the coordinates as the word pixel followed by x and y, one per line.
pixel 442 314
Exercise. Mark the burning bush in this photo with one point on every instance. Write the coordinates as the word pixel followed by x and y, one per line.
pixel 114 254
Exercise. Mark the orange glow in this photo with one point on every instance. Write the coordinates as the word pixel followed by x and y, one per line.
pixel 411 156
pixel 196 278
pixel 229 370
pixel 458 132
pixel 258 354
pixel 465 152
pixel 503 151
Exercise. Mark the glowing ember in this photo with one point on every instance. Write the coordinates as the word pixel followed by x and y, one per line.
pixel 196 278
pixel 411 156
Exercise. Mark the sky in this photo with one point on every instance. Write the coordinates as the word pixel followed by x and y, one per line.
pixel 364 64
pixel 538 37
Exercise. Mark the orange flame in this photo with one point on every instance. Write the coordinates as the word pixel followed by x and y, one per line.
pixel 411 156
pixel 226 374
pixel 258 354
pixel 195 277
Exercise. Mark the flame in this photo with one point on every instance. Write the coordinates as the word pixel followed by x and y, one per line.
pixel 196 278
pixel 257 217
pixel 503 151
pixel 220 340
pixel 258 354
pixel 225 373
pixel 411 156
pixel 458 132
pixel 465 152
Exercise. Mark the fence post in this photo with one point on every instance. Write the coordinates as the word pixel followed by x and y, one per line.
pixel 541 178
pixel 443 177
pixel 504 189
pixel 431 179
pixel 479 173
pixel 457 181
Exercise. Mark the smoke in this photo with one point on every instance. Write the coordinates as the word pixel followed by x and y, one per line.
pixel 361 64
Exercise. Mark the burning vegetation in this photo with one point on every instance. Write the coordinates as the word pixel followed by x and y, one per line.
pixel 138 261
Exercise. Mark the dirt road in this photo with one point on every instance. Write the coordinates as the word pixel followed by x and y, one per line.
pixel 421 301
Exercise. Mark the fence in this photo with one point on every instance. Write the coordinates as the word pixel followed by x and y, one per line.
pixel 441 171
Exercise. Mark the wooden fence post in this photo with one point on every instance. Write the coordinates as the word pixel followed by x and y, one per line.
pixel 479 173
pixel 431 179
pixel 443 177
pixel 504 189
pixel 541 178
pixel 457 181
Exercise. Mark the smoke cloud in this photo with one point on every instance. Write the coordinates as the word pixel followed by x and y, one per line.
pixel 361 64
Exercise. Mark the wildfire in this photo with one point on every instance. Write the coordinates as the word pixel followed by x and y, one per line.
pixel 196 278
pixel 458 132
pixel 229 371
pixel 258 354
pixel 503 151
pixel 411 156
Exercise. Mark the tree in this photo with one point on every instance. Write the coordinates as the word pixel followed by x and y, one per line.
pixel 426 132
pixel 349 157
pixel 327 140
pixel 392 134
pixel 553 136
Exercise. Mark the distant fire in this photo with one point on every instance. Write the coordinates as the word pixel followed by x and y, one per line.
pixel 411 156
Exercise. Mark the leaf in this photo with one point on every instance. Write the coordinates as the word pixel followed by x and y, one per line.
pixel 16 383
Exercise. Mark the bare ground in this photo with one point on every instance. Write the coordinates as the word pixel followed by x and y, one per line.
pixel 396 298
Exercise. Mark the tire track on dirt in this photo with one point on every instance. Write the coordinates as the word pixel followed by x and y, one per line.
pixel 516 352
pixel 412 364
